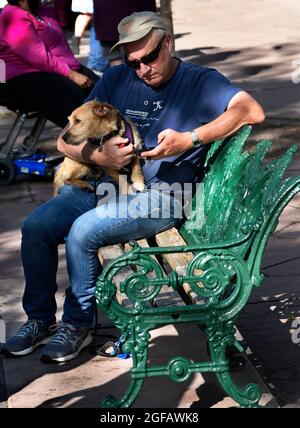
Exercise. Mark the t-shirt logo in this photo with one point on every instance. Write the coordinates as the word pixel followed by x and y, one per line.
pixel 143 119
pixel 158 105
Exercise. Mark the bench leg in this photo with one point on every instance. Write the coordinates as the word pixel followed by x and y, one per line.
pixel 219 339
pixel 137 343
pixel 246 398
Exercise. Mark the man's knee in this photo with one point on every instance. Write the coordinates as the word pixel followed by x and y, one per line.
pixel 35 225
pixel 84 233
pixel 42 225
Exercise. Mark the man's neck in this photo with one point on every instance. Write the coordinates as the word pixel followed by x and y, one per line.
pixel 172 69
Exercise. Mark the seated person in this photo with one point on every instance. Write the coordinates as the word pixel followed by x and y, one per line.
pixel 179 109
pixel 42 74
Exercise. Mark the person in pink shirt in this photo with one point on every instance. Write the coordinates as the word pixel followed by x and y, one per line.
pixel 42 73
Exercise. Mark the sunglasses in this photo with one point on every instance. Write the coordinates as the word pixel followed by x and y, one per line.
pixel 147 59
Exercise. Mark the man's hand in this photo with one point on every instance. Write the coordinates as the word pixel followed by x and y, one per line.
pixel 112 156
pixel 170 143
pixel 80 79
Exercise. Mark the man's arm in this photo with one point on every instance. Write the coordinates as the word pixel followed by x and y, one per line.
pixel 242 110
pixel 110 157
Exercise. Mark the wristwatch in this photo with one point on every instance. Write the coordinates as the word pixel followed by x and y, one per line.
pixel 195 139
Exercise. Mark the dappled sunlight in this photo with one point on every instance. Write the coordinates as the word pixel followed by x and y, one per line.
pixel 9 241
pixel 269 320
pixel 264 71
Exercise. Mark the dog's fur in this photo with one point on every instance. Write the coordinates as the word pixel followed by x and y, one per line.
pixel 93 121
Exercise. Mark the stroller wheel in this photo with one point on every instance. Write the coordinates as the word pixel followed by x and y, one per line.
pixel 8 172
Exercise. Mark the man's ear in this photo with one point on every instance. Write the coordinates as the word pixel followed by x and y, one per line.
pixel 170 43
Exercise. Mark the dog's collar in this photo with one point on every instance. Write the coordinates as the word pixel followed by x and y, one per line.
pixel 99 142
pixel 128 132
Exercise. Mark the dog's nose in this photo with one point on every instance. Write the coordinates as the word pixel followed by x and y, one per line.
pixel 66 137
pixel 65 134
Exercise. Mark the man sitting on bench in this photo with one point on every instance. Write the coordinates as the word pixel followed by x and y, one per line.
pixel 179 108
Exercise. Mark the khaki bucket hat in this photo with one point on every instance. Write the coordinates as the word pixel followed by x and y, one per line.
pixel 137 26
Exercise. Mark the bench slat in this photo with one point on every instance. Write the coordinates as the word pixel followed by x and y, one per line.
pixel 177 261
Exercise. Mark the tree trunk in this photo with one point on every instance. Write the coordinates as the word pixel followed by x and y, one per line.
pixel 166 14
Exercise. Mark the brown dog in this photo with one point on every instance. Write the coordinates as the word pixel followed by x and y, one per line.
pixel 97 122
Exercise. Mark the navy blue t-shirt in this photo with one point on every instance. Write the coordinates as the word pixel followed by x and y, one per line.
pixel 194 96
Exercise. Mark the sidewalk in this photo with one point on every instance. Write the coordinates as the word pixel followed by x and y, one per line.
pixel 85 381
pixel 260 60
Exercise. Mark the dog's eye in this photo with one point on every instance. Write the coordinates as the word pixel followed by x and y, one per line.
pixel 77 121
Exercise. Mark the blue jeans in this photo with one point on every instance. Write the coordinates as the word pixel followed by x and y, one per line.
pixel 96 59
pixel 74 217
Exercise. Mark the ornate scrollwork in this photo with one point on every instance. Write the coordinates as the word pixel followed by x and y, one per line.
pixel 105 291
pixel 138 286
pixel 221 278
pixel 142 285
pixel 252 393
pixel 249 227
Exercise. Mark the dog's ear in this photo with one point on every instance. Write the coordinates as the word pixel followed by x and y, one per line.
pixel 101 110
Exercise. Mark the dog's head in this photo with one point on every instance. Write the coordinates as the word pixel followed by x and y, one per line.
pixel 91 120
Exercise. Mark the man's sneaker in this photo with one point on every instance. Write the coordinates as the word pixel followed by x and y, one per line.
pixel 32 334
pixel 66 343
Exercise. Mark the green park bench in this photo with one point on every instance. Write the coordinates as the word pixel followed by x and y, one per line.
pixel 213 262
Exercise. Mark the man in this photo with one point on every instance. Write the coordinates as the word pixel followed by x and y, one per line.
pixel 179 108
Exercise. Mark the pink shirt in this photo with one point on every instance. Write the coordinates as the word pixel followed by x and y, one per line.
pixel 28 44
